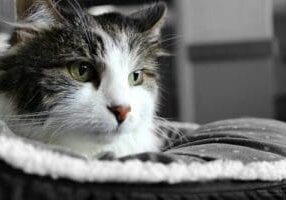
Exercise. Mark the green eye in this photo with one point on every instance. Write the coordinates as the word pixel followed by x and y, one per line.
pixel 136 78
pixel 82 72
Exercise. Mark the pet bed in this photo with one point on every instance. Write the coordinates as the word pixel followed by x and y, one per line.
pixel 231 159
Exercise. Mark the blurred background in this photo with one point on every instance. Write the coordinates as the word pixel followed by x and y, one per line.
pixel 228 57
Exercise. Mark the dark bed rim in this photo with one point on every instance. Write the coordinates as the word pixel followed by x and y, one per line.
pixel 189 188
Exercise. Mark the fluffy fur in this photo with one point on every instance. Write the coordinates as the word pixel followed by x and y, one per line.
pixel 42 101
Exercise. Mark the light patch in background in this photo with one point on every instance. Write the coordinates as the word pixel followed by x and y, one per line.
pixel 100 10
pixel 4 37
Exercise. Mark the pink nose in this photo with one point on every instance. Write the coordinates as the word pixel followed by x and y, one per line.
pixel 120 112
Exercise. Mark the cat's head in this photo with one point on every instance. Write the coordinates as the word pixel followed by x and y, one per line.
pixel 94 74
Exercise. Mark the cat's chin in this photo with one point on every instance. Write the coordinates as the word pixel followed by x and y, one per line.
pixel 121 141
pixel 110 131
pixel 114 133
pixel 105 134
pixel 124 129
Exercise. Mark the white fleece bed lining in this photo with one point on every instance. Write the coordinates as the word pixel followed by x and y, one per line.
pixel 34 160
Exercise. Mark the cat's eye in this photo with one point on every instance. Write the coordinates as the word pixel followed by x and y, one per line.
pixel 136 78
pixel 83 72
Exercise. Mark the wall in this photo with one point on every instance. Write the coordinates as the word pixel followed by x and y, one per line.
pixel 7 13
pixel 213 88
pixel 211 21
pixel 231 89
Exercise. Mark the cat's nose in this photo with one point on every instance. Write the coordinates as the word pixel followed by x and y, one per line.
pixel 120 112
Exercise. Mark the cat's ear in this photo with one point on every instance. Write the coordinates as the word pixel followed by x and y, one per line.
pixel 151 19
pixel 57 11
pixel 41 16
pixel 66 11
pixel 45 13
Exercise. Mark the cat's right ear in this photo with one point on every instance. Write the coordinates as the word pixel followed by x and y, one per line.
pixel 151 19
pixel 49 12
pixel 41 16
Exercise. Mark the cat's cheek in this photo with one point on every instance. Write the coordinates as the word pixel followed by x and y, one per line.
pixel 88 106
pixel 143 106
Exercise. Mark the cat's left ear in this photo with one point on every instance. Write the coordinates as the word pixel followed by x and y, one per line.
pixel 151 19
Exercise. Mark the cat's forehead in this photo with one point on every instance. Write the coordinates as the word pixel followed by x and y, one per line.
pixel 114 22
pixel 115 40
pixel 117 50
pixel 116 29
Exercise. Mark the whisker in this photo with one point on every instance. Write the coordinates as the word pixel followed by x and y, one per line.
pixel 35 114
pixel 23 120
pixel 55 133
pixel 25 124
pixel 170 133
pixel 171 39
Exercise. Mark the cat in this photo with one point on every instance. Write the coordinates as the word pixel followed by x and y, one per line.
pixel 86 83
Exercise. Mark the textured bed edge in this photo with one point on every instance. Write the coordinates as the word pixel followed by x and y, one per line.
pixel 17 153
